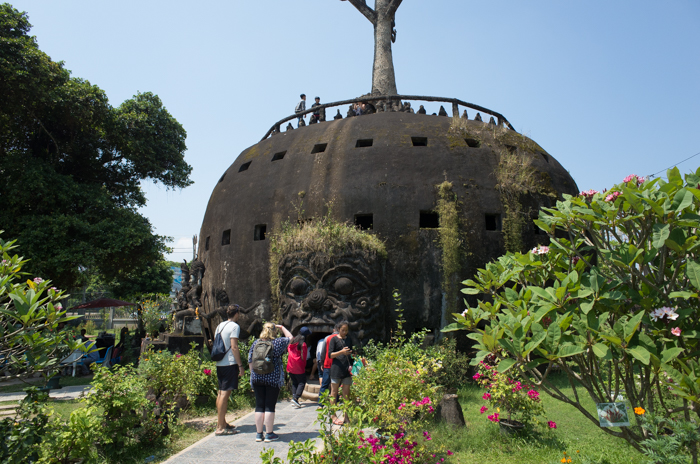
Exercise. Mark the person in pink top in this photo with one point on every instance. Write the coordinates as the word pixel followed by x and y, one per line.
pixel 296 365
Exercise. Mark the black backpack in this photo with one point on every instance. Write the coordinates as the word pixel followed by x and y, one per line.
pixel 262 358
pixel 218 351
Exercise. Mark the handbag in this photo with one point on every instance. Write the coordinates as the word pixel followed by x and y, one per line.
pixel 356 367
pixel 218 350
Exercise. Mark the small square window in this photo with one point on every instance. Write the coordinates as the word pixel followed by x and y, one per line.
pixel 206 244
pixel 429 220
pixel 419 141
pixel 364 221
pixel 226 237
pixel 279 156
pixel 493 221
pixel 319 148
pixel 364 143
pixel 244 166
pixel 260 231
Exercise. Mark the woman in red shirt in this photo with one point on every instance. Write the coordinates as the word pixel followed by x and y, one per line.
pixel 296 366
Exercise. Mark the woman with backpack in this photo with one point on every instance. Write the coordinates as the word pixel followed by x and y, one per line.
pixel 340 351
pixel 296 365
pixel 267 376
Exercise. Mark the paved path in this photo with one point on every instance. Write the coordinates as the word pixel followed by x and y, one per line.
pixel 64 393
pixel 290 424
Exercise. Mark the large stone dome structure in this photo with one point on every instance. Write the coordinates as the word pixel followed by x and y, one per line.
pixel 381 172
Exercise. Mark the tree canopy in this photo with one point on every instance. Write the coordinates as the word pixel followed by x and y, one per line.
pixel 72 167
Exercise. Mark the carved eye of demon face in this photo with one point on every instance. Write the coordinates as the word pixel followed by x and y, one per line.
pixel 299 286
pixel 344 286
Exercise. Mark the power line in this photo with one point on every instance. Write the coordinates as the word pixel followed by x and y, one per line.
pixel 696 154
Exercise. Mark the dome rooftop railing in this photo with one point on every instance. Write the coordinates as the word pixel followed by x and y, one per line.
pixel 391 103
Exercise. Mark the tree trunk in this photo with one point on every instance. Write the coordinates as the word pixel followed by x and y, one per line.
pixel 383 79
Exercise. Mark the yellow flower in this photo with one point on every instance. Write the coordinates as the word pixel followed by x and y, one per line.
pixel 639 411
pixel 563 459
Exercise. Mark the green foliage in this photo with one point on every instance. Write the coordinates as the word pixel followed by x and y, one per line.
pixel 68 441
pixel 455 366
pixel 670 441
pixel 322 235
pixel 21 436
pixel 153 310
pixel 451 244
pixel 30 314
pixel 127 416
pixel 612 302
pixel 63 143
pixel 171 375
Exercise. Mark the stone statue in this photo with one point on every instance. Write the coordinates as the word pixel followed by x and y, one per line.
pixel 189 297
pixel 421 110
pixel 318 290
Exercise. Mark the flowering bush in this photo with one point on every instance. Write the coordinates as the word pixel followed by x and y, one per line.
pixel 127 417
pixel 507 395
pixel 613 303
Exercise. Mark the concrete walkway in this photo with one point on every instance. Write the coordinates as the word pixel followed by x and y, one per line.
pixel 290 424
pixel 64 393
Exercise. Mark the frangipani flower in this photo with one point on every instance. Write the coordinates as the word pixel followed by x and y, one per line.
pixel 540 250
pixel 676 331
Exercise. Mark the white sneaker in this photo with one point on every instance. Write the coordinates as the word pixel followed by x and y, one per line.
pixel 295 403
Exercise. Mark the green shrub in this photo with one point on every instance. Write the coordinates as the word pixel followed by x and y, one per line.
pixel 455 366
pixel 22 434
pixel 71 441
pixel 127 416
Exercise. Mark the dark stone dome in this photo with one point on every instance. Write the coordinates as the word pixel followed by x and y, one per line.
pixel 379 170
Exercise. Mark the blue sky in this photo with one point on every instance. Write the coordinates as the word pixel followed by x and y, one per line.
pixel 609 88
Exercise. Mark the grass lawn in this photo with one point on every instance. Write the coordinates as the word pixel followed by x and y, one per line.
pixel 583 441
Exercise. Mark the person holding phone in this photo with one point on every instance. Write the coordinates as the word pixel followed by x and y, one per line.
pixel 340 349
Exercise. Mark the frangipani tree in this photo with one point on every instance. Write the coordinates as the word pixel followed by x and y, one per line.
pixel 382 18
pixel 31 340
pixel 612 302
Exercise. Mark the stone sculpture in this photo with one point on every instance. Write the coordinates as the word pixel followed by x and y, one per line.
pixel 318 290
pixel 421 110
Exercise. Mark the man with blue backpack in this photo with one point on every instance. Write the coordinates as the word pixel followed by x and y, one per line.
pixel 228 366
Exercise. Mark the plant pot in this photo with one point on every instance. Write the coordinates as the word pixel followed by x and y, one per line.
pixel 510 427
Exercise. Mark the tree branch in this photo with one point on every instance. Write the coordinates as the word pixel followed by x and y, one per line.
pixel 365 10
pixel 393 6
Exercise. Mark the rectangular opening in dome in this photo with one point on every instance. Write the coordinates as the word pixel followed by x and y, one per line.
pixel 546 158
pixel 429 220
pixel 226 237
pixel 279 156
pixel 364 143
pixel 419 141
pixel 244 166
pixel 260 231
pixel 222 177
pixel 206 244
pixel 493 221
pixel 319 148
pixel 472 143
pixel 364 221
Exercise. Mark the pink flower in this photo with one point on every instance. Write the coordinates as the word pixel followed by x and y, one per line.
pixel 178 355
pixel 449 453
pixel 487 396
pixel 588 194
pixel 430 408
pixel 676 331
pixel 552 424
pixel 612 196
pixel 540 250
pixel 38 280
pixel 493 417
pixel 483 409
pixel 207 371
pixel 476 376
pixel 59 307
pixel 634 177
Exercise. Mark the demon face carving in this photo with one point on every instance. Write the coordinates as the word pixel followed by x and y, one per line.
pixel 317 290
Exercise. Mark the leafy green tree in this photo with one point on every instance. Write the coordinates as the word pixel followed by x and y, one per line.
pixel 72 166
pixel 612 302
